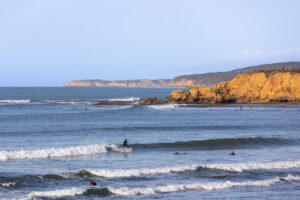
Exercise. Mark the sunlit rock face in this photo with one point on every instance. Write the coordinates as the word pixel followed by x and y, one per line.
pixel 256 87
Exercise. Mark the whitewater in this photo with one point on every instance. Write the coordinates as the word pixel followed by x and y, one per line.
pixel 61 152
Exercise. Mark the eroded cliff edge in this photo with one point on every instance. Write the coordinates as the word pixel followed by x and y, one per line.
pixel 255 87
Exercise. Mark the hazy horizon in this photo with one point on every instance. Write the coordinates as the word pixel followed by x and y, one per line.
pixel 49 43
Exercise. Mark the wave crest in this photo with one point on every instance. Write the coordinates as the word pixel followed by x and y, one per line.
pixel 61 152
pixel 125 99
pixel 233 167
pixel 15 101
pixel 215 144
pixel 163 107
pixel 198 186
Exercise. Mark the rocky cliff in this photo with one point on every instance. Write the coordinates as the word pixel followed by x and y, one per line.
pixel 257 87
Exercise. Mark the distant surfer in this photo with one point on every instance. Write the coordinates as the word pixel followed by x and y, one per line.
pixel 241 108
pixel 232 153
pixel 92 183
pixel 177 153
pixel 125 143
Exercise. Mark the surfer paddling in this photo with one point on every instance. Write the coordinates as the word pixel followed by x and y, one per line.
pixel 92 183
pixel 125 143
pixel 177 153
pixel 232 153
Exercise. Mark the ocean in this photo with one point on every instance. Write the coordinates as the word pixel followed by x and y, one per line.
pixel 54 140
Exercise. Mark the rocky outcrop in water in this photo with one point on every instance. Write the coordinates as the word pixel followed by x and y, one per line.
pixel 257 87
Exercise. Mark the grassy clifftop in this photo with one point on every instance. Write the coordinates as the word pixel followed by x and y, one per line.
pixel 210 79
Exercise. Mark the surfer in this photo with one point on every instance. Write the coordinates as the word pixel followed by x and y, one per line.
pixel 92 183
pixel 232 153
pixel 125 143
pixel 177 153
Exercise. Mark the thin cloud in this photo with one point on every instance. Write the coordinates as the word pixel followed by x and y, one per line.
pixel 260 55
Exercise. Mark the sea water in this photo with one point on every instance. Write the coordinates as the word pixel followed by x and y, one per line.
pixel 54 140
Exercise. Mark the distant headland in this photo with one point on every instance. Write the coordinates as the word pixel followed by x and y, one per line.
pixel 193 80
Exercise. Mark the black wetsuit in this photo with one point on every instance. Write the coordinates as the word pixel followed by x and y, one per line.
pixel 92 183
pixel 125 143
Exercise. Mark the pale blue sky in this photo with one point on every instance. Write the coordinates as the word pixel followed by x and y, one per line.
pixel 48 43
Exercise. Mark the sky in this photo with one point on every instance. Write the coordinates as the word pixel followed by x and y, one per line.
pixel 51 42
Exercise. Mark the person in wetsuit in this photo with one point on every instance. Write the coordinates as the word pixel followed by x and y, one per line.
pixel 92 183
pixel 125 143
pixel 232 153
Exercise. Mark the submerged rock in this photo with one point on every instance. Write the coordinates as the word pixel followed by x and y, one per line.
pixel 151 101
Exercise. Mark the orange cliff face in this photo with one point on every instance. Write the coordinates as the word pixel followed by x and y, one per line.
pixel 256 87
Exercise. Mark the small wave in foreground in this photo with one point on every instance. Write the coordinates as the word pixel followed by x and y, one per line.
pixel 152 190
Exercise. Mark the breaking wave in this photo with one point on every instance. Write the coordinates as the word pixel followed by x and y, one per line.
pixel 56 193
pixel 15 101
pixel 152 190
pixel 7 185
pixel 233 167
pixel 163 107
pixel 65 101
pixel 114 173
pixel 198 186
pixel 125 99
pixel 61 152
pixel 118 107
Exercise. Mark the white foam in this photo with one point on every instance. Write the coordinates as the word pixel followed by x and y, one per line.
pixel 66 101
pixel 116 107
pixel 15 101
pixel 7 185
pixel 56 193
pixel 197 186
pixel 240 167
pixel 61 152
pixel 236 167
pixel 113 173
pixel 163 107
pixel 125 99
